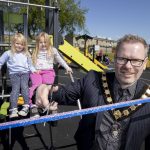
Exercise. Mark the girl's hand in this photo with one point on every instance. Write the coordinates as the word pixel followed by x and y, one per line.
pixel 37 71
pixel 69 70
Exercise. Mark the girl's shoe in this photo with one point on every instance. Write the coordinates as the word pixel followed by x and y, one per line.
pixel 24 111
pixel 13 113
pixel 51 109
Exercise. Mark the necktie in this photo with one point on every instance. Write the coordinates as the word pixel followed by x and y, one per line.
pixel 125 95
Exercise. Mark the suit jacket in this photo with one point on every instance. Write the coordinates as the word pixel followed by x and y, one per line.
pixel 91 93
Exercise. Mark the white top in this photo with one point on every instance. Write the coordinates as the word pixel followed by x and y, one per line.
pixel 17 62
pixel 45 62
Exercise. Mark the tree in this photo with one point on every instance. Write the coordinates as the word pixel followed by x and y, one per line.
pixel 36 17
pixel 71 16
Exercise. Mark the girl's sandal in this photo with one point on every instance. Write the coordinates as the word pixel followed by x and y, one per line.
pixel 48 109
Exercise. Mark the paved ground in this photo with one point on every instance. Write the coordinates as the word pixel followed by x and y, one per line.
pixel 62 134
pixel 38 137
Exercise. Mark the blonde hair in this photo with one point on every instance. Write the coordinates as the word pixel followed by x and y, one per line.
pixel 21 38
pixel 48 46
pixel 132 39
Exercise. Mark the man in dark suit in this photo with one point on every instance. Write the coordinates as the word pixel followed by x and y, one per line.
pixel 117 129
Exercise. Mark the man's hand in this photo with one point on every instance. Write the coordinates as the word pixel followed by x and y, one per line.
pixel 53 106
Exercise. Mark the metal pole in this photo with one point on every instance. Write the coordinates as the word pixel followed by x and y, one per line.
pixel 106 45
pixel 9 22
pixel 93 53
pixel 10 147
pixel 49 18
pixel 78 101
pixel 27 18
pixel 1 27
pixel 27 4
pixel 25 22
pixel 55 37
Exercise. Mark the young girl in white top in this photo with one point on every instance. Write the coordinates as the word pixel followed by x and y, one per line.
pixel 19 64
pixel 43 59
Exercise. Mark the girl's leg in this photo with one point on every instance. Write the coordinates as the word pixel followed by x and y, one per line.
pixel 25 93
pixel 25 87
pixel 48 76
pixel 36 80
pixel 15 83
pixel 42 93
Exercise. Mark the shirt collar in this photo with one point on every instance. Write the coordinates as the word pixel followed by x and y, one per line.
pixel 118 90
pixel 132 88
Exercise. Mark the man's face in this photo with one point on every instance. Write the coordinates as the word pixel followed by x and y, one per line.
pixel 127 74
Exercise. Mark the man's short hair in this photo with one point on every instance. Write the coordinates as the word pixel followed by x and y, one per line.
pixel 132 39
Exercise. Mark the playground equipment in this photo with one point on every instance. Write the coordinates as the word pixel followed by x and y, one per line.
pixel 54 19
pixel 85 37
pixel 74 54
pixel 71 52
pixel 95 61
pixel 52 24
pixel 66 49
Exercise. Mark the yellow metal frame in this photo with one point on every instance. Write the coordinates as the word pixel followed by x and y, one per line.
pixel 73 54
pixel 96 61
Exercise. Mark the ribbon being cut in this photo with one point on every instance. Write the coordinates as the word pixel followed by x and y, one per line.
pixel 64 115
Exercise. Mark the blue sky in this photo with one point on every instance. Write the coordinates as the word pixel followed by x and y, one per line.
pixel 114 18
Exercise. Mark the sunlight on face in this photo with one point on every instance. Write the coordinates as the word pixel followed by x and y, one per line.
pixel 19 46
pixel 42 44
pixel 127 74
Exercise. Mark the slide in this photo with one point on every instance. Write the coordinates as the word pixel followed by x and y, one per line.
pixel 96 61
pixel 72 53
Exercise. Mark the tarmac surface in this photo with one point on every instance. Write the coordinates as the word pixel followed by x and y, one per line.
pixel 39 137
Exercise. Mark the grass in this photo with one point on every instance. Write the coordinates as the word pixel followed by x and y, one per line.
pixel 13 18
pixel 3 108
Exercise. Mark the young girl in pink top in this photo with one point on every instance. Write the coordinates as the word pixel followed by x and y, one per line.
pixel 43 59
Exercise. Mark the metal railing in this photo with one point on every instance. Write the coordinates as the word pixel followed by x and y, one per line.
pixel 27 4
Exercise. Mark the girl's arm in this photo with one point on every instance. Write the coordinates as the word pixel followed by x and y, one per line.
pixel 61 61
pixel 31 67
pixel 4 58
